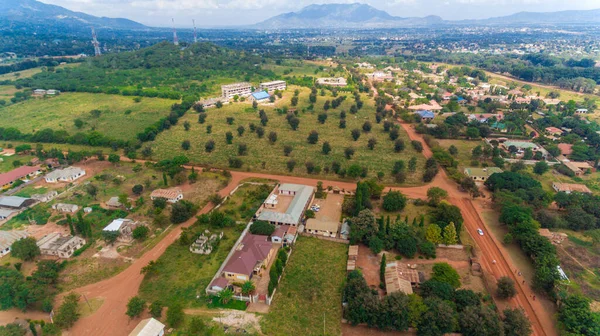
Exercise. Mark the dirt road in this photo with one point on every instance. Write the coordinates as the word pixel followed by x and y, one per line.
pixel 110 318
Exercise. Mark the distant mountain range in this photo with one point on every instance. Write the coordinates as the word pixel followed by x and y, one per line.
pixel 35 12
pixel 363 16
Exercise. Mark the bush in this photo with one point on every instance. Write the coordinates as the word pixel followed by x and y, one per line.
pixel 417 145
pixel 140 232
pixel 262 228
pixel 135 307
pixel 443 272
pixel 506 288
pixel 394 201
pixel 25 249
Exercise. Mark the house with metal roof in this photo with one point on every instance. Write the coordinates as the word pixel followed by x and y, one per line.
pixel 7 238
pixel 55 244
pixel 426 115
pixel 259 96
pixel 287 212
pixel 15 202
pixel 149 327
pixel 68 174
pixel 173 195
pixel 399 277
pixel 64 207
pixel 481 174
pixel 6 213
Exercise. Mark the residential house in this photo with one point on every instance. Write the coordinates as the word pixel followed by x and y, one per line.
pixel 219 284
pixel 47 197
pixel 581 111
pixel 273 86
pixel 521 146
pixel 279 234
pixel 340 81
pixel 553 131
pixel 432 106
pixel 259 97
pixel 570 188
pixel 52 92
pixel 212 102
pixel 551 101
pixel 7 238
pixel 522 100
pixel 481 174
pixel 64 207
pixel 6 214
pixel 251 257
pixel 380 76
pixel 287 212
pixel 322 228
pixel 68 174
pixel 290 236
pixel 172 195
pixel 484 117
pixel 576 170
pixel 55 244
pixel 15 202
pixel 399 277
pixel 124 227
pixel 565 149
pixel 39 92
pixel 237 89
pixel 23 172
pixel 114 203
pixel 426 116
pixel 149 327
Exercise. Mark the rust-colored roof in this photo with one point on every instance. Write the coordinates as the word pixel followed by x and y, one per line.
pixel 565 149
pixel 17 173
pixel 572 187
pixel 166 193
pixel 252 249
pixel 394 282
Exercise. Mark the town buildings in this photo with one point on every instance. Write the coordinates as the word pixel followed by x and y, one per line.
pixel 273 86
pixel 124 227
pixel 399 277
pixel 172 195
pixel 237 89
pixel 15 202
pixel 64 207
pixel 259 97
pixel 322 228
pixel 340 81
pixel 68 174
pixel 148 327
pixel 481 174
pixel 23 172
pixel 570 188
pixel 55 244
pixel 286 205
pixel 7 238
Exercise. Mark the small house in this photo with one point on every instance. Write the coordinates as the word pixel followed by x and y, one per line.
pixel 124 227
pixel 7 238
pixel 279 234
pixel 570 188
pixel 68 174
pixel 322 228
pixel 55 244
pixel 581 111
pixel 290 236
pixel 149 327
pixel 47 197
pixel 426 115
pixel 172 195
pixel 481 174
pixel 259 97
pixel 114 203
pixel 15 202
pixel 64 207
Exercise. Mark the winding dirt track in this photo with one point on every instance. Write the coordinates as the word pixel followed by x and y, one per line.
pixel 110 318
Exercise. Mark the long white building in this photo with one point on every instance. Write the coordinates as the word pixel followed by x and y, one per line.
pixel 273 85
pixel 239 89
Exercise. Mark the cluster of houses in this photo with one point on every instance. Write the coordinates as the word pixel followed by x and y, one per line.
pixel 246 90
pixel 43 93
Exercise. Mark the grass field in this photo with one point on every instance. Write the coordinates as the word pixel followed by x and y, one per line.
pixel 7 92
pixel 6 162
pixel 120 118
pixel 30 72
pixel 309 295
pixel 465 147
pixel 266 157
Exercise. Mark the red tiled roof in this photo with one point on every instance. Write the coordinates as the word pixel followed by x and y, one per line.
pixel 254 248
pixel 565 149
pixel 280 231
pixel 17 173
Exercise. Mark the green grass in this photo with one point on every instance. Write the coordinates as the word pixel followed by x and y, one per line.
pixel 310 290
pixel 246 201
pixel 59 113
pixel 40 213
pixel 465 147
pixel 30 72
pixel 30 190
pixel 265 157
pixel 7 161
pixel 215 302
pixel 182 275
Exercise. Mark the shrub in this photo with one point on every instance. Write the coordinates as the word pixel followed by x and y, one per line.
pixel 394 201
pixel 140 232
pixel 262 228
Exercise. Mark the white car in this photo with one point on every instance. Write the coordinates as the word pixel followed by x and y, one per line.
pixel 480 231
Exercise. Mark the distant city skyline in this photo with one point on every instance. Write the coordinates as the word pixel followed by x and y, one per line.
pixel 218 13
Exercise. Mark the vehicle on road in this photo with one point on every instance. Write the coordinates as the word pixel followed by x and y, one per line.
pixel 480 231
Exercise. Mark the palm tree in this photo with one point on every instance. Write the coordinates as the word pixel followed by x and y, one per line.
pixel 248 287
pixel 225 296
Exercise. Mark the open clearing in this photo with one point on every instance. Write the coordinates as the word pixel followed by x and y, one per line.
pixel 262 156
pixel 310 291
pixel 120 118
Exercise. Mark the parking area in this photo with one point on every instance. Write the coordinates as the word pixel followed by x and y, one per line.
pixel 330 208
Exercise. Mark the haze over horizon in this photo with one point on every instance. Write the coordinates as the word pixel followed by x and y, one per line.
pixel 215 13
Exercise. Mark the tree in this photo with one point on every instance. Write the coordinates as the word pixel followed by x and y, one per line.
pixel 175 315
pixel 287 149
pixel 465 298
pixel 322 118
pixel 78 123
pixel 516 323
pixel 506 288
pixel 25 249
pixel 453 150
pixel 114 158
pixel 417 145
pixel 68 312
pixel 355 134
pixel 326 148
pixel 480 320
pixel 313 137
pixel 412 164
pixel 291 164
pixel 248 287
pixel 439 319
pixel 201 118
pixel 182 211
pixel 367 126
pixel 348 152
pixel 371 143
pixel 260 227
pixel 309 214
pixel 382 265
pixel 225 296
pixel 137 189
pixel 187 125
pixel 540 167
pixel 364 226
pixel 398 146
pixel 394 201
pixel 156 309
pixel 449 235
pixel 209 146
pixel 433 234
pixel 435 195
pixel 140 232
pixel 443 272
pixel 135 307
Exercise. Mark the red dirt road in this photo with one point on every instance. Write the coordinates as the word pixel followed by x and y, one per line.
pixel 110 318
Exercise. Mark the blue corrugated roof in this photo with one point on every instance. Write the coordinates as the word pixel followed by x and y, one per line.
pixel 426 114
pixel 260 95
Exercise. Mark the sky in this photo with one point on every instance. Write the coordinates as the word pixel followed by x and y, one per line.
pixel 215 13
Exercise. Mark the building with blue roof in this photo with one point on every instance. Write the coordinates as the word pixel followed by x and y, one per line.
pixel 426 115
pixel 259 96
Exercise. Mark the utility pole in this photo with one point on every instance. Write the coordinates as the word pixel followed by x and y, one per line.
pixel 95 43
pixel 175 40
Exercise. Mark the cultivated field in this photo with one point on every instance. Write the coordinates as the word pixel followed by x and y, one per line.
pixel 308 297
pixel 120 117
pixel 264 156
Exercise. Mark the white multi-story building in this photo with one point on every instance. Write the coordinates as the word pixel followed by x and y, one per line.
pixel 236 89
pixel 340 81
pixel 274 85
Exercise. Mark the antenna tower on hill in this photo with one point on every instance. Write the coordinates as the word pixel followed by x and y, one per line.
pixel 95 43
pixel 175 40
